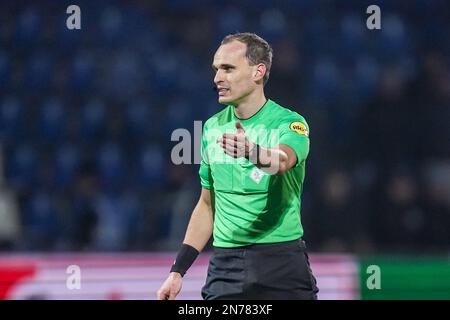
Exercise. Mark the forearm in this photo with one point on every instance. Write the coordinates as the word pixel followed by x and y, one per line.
pixel 275 161
pixel 200 226
pixel 272 161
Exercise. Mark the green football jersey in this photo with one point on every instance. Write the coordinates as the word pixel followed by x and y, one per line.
pixel 252 206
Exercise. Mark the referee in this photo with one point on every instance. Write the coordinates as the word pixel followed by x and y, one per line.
pixel 252 172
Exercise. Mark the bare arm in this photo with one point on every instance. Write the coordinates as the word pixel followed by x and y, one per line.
pixel 200 226
pixel 198 232
pixel 274 161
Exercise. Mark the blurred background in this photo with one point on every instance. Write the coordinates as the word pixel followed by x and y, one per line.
pixel 86 118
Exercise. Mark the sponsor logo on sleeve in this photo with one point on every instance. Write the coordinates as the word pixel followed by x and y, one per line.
pixel 300 128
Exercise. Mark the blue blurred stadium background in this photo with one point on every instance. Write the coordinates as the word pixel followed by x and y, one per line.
pixel 86 117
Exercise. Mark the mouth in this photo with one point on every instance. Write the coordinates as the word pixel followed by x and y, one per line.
pixel 222 91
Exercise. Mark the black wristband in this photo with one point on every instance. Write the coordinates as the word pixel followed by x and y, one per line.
pixel 185 258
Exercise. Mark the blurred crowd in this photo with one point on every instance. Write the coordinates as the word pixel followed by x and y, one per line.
pixel 86 118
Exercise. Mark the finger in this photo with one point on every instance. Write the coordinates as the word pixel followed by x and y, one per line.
pixel 227 142
pixel 229 147
pixel 233 144
pixel 239 143
pixel 230 136
pixel 236 137
pixel 233 152
pixel 239 127
pixel 230 150
pixel 172 295
pixel 161 295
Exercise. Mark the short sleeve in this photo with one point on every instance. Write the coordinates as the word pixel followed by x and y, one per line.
pixel 294 132
pixel 205 170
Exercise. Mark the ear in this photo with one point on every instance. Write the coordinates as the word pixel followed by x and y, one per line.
pixel 260 71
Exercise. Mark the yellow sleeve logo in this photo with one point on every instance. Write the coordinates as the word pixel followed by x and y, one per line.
pixel 300 128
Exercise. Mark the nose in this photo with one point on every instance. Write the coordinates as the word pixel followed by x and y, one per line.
pixel 218 78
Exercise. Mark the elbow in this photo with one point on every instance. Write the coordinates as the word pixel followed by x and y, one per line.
pixel 286 162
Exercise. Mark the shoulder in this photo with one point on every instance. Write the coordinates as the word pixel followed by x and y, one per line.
pixel 287 115
pixel 216 118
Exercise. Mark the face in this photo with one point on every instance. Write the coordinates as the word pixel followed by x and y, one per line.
pixel 235 79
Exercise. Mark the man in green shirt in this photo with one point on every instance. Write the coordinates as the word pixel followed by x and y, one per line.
pixel 252 172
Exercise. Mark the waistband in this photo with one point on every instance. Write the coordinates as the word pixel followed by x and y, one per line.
pixel 293 244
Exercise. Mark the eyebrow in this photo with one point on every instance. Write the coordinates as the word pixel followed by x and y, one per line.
pixel 224 66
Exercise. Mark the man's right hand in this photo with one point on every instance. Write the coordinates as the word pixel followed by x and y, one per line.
pixel 171 287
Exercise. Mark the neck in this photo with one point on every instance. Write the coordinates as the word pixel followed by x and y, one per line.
pixel 250 105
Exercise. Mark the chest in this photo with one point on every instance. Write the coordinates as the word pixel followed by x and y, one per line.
pixel 238 174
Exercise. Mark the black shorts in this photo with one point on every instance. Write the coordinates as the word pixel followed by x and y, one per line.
pixel 261 271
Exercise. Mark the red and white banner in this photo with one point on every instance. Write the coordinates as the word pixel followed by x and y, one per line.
pixel 138 276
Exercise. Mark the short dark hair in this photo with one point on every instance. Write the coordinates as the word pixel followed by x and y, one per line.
pixel 258 50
